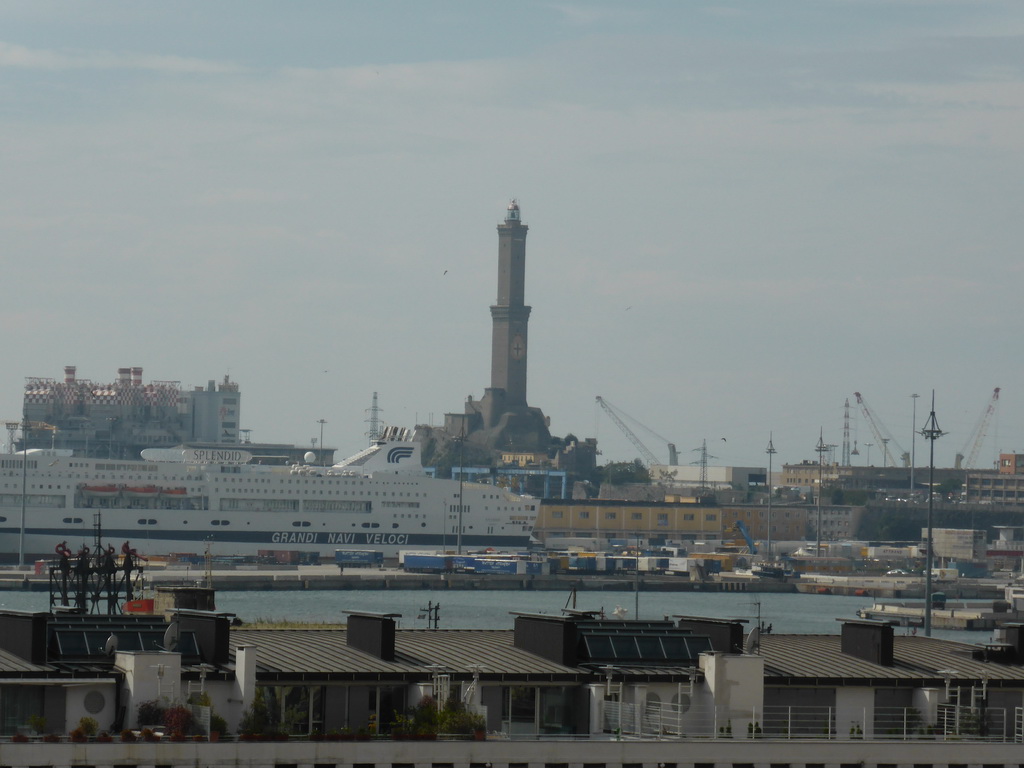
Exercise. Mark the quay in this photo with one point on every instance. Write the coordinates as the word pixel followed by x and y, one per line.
pixel 330 577
pixel 276 577
pixel 980 617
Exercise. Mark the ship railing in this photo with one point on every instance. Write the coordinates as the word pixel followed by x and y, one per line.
pixel 672 720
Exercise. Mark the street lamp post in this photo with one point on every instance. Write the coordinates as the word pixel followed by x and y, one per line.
pixel 24 488
pixel 820 448
pixel 913 435
pixel 931 433
pixel 462 449
pixel 770 450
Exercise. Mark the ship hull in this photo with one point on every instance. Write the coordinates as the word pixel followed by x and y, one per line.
pixel 383 503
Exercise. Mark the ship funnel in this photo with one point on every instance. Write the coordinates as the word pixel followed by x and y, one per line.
pixel 69 374
pixel 137 376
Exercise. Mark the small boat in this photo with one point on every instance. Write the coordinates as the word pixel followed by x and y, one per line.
pixel 101 490
pixel 142 605
pixel 173 491
pixel 142 492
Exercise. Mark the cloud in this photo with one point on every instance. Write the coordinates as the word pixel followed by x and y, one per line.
pixel 20 57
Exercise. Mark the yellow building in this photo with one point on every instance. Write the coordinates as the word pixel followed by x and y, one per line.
pixel 602 519
pixel 789 522
pixel 523 460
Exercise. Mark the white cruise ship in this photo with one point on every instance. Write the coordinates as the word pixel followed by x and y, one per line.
pixel 178 500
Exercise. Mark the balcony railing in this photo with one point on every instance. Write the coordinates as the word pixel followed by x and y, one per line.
pixel 667 721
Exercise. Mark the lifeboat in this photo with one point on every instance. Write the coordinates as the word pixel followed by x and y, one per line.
pixel 101 490
pixel 141 492
pixel 142 605
pixel 173 491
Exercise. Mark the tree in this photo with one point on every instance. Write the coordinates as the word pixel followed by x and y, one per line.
pixel 623 472
pixel 948 486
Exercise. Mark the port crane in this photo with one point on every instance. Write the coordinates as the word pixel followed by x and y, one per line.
pixel 977 436
pixel 616 415
pixel 739 529
pixel 882 436
pixel 25 426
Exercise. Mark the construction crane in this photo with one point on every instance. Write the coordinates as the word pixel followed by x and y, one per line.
pixel 26 427
pixel 616 416
pixel 977 435
pixel 882 436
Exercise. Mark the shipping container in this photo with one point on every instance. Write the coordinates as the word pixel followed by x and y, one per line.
pixel 358 558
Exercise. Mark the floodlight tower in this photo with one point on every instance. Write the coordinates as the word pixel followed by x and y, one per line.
pixel 931 433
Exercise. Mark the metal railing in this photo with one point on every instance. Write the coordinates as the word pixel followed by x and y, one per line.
pixel 670 721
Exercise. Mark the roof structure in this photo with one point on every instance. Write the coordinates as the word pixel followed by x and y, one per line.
pixel 12 665
pixel 916 658
pixel 325 654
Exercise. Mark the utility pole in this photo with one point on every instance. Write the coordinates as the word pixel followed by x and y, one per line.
pixel 821 449
pixel 931 433
pixel 913 435
pixel 24 487
pixel 462 450
pixel 770 450
pixel 323 455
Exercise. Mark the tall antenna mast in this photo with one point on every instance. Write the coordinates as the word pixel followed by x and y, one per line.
pixel 846 433
pixel 374 421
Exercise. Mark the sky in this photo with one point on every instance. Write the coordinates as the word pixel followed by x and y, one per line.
pixel 740 213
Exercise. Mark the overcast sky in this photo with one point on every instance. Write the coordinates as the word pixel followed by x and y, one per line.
pixel 740 212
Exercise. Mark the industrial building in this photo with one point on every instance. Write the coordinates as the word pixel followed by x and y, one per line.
pixel 120 419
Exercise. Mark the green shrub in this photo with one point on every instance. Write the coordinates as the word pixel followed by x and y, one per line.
pixel 150 712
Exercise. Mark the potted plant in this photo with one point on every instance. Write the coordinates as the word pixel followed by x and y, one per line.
pixel 38 724
pixel 88 726
pixel 19 738
pixel 128 736
pixel 218 725
pixel 104 738
pixel 78 735
pixel 178 720
pixel 257 719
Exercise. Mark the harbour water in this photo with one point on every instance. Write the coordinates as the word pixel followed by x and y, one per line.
pixel 484 609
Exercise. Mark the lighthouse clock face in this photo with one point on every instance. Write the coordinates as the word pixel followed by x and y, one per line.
pixel 518 347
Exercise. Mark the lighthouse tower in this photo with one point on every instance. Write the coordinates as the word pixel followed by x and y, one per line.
pixel 502 419
pixel 509 315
